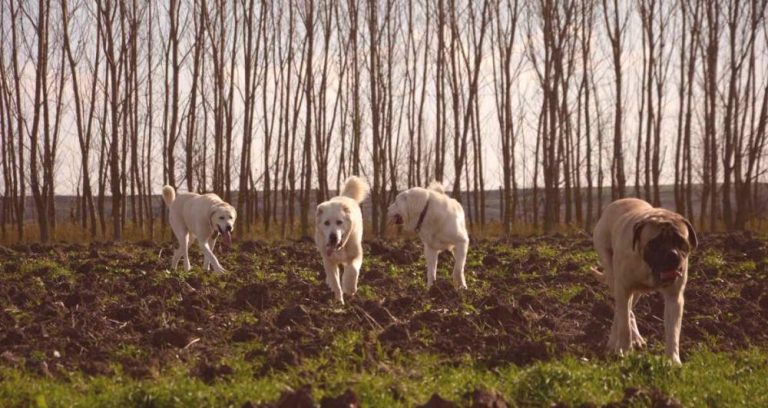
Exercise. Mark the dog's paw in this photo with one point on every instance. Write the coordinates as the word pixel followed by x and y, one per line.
pixel 459 284
pixel 638 341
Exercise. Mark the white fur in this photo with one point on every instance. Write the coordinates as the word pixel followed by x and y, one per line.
pixel 198 216
pixel 628 275
pixel 443 227
pixel 341 216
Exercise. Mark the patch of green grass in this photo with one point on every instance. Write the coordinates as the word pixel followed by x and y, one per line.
pixel 561 293
pixel 45 267
pixel 547 252
pixel 711 259
pixel 404 379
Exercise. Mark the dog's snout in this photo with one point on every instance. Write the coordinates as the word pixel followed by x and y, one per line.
pixel 229 228
pixel 333 238
pixel 672 257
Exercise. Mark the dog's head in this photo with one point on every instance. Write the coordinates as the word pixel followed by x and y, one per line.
pixel 222 217
pixel 407 206
pixel 334 223
pixel 664 239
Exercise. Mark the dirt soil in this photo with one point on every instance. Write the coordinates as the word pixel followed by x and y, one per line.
pixel 93 307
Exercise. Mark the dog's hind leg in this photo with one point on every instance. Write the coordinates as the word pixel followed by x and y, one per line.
pixel 351 274
pixel 460 256
pixel 183 250
pixel 332 279
pixel 430 255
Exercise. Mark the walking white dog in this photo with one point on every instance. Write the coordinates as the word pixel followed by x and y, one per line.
pixel 204 217
pixel 439 222
pixel 339 236
pixel 643 249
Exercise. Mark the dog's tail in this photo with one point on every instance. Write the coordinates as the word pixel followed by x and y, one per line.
pixel 356 188
pixel 169 195
pixel 436 186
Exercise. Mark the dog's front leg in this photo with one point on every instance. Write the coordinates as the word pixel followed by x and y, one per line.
pixel 332 279
pixel 620 340
pixel 351 274
pixel 430 254
pixel 206 261
pixel 460 256
pixel 637 339
pixel 673 319
pixel 210 257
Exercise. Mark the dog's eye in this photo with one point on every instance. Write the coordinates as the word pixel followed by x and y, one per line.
pixel 221 218
pixel 327 223
pixel 339 222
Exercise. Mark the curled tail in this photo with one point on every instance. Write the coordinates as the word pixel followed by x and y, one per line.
pixel 169 195
pixel 355 188
pixel 436 186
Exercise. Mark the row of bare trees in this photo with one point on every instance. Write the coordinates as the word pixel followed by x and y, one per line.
pixel 535 112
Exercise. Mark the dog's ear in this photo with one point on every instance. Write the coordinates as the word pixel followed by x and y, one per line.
pixel 693 241
pixel 319 211
pixel 636 232
pixel 346 209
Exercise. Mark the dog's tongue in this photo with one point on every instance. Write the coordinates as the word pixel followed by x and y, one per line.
pixel 227 238
pixel 670 275
pixel 329 250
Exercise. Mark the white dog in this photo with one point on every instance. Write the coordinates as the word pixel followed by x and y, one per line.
pixel 339 236
pixel 204 217
pixel 439 222
pixel 644 249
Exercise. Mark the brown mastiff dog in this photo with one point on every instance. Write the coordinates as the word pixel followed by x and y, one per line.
pixel 643 249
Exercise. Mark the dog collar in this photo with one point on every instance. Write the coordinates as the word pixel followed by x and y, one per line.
pixel 422 216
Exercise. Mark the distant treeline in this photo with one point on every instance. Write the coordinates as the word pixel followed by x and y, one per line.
pixel 565 105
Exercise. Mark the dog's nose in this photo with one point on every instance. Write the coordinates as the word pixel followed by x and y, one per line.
pixel 333 238
pixel 229 228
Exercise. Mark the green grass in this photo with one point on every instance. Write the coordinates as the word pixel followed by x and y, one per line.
pixel 403 379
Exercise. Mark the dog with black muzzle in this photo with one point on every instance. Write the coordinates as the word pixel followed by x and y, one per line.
pixel 643 249
pixel 439 221
pixel 204 217
pixel 339 236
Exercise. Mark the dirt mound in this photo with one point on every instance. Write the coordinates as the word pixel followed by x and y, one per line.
pixel 301 398
pixel 487 399
pixel 636 397
pixel 346 400
pixel 209 372
pixel 437 401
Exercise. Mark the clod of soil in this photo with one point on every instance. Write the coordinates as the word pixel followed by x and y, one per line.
pixel 255 296
pixel 301 398
pixel 172 336
pixel 208 373
pixel 491 260
pixel 11 359
pixel 243 334
pixel 634 397
pixel 293 315
pixel 346 400
pixel 395 333
pixel 487 399
pixel 437 401
pixel 504 315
